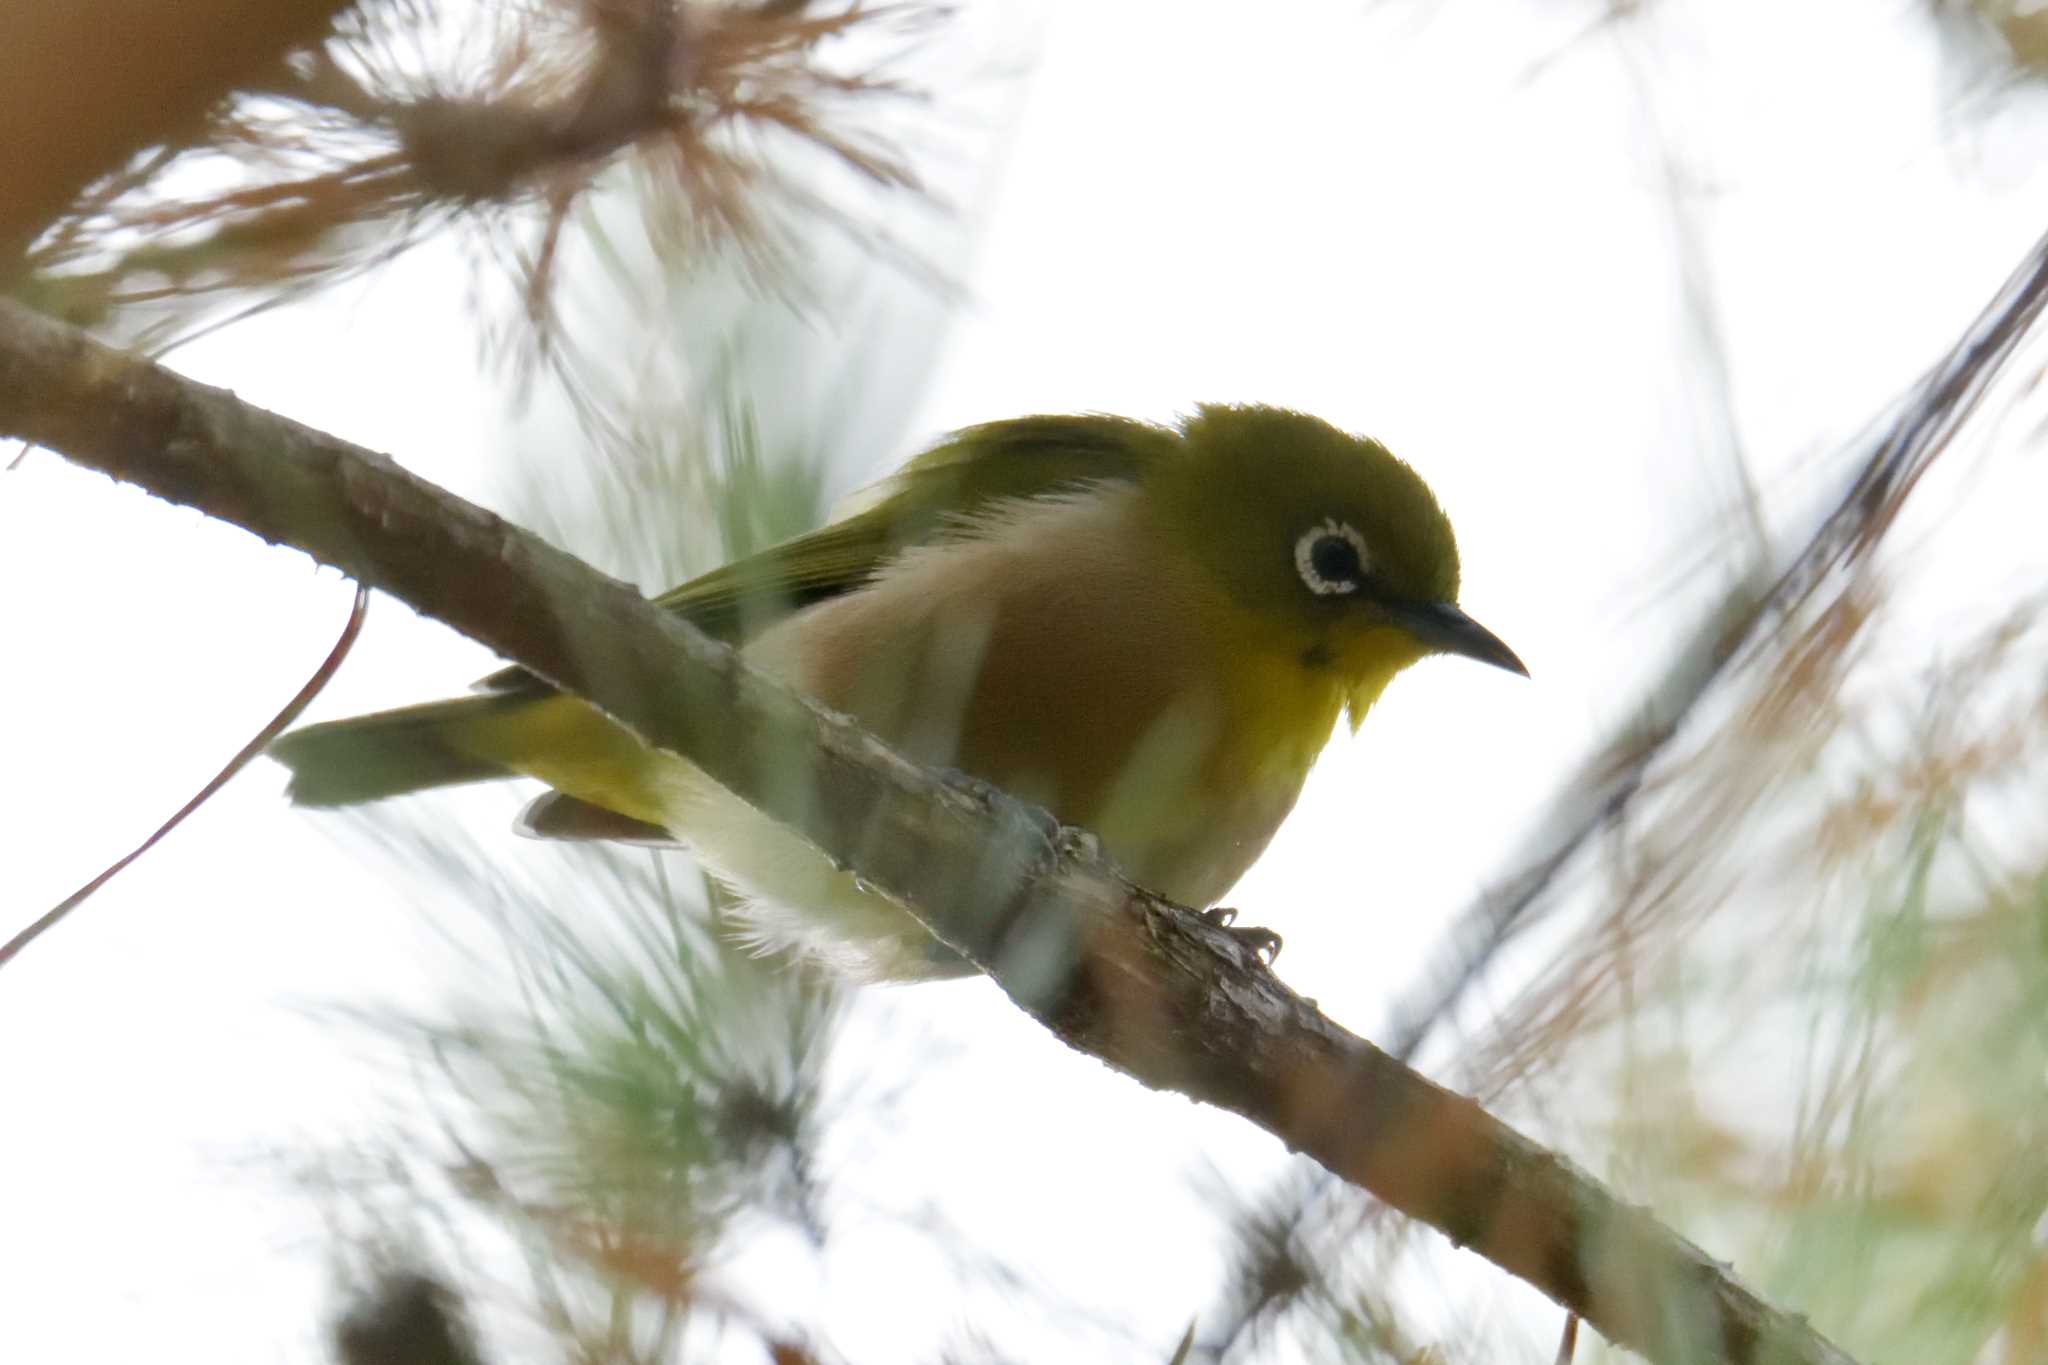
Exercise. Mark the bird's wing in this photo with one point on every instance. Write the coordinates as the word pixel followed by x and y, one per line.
pixel 937 495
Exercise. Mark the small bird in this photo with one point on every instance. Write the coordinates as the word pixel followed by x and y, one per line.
pixel 1150 631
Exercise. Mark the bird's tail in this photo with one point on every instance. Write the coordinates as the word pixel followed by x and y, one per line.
pixel 390 753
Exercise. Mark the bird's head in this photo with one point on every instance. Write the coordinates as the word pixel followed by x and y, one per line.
pixel 1335 550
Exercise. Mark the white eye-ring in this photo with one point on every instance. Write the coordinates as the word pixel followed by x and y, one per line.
pixel 1331 559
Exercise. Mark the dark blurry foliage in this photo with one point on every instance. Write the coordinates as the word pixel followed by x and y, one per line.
pixel 405 1318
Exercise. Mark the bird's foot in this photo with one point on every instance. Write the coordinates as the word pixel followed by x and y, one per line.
pixel 968 785
pixel 1263 943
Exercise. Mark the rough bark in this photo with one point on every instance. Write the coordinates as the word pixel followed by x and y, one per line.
pixel 1112 971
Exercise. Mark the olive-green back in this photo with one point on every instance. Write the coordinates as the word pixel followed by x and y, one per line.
pixel 936 495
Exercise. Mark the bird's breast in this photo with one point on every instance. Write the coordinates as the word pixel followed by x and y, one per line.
pixel 1065 657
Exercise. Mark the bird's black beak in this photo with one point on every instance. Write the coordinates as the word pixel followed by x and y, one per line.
pixel 1443 627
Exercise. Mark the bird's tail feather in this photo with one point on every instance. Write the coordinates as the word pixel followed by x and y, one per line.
pixel 390 753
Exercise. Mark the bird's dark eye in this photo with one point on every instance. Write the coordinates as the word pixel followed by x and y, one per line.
pixel 1334 559
pixel 1331 559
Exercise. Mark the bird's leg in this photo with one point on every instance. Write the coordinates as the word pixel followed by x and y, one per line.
pixel 1263 943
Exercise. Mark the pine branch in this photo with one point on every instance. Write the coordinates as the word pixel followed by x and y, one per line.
pixel 505 124
pixel 86 83
pixel 1111 970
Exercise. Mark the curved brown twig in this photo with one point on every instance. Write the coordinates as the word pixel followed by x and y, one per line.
pixel 278 723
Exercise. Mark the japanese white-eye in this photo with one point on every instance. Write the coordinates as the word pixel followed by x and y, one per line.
pixel 1151 632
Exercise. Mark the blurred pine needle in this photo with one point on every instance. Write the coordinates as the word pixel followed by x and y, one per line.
pixel 637 1101
pixel 625 1097
pixel 504 117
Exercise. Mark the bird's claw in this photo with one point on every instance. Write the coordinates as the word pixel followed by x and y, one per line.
pixel 1263 944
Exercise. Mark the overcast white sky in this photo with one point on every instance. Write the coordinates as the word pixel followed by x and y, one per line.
pixel 1451 232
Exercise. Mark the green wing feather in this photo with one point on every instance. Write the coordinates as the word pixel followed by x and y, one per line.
pixel 936 495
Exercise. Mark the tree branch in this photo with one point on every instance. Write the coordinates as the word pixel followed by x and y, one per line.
pixel 1112 970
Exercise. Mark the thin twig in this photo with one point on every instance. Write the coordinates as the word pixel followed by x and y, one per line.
pixel 1568 1340
pixel 292 709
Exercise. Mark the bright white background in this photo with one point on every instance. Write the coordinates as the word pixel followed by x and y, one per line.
pixel 1449 228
